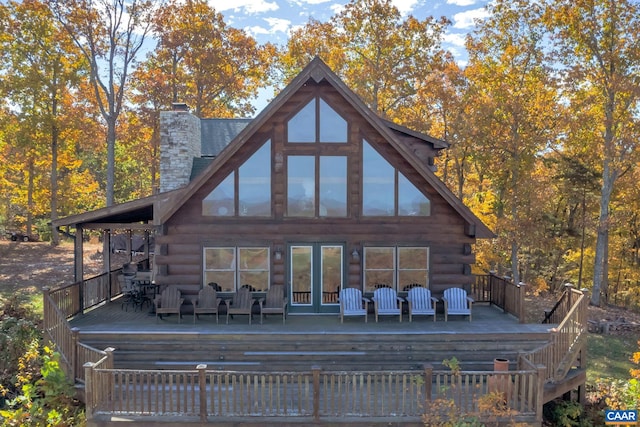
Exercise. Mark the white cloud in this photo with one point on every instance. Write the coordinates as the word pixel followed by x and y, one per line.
pixel 301 2
pixel 461 2
pixel 276 25
pixel 336 8
pixel 249 6
pixel 455 39
pixel 404 6
pixel 465 20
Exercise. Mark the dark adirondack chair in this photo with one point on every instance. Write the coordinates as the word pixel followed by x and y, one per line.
pixel 241 303
pixel 169 302
pixel 274 303
pixel 206 303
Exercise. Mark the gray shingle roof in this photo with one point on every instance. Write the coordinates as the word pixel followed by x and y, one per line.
pixel 218 133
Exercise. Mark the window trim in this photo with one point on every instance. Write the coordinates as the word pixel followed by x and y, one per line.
pixel 396 265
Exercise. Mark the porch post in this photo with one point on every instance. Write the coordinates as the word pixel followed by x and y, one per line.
pixel 78 258
pixel 106 260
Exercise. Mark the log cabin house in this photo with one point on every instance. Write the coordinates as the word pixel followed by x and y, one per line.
pixel 317 193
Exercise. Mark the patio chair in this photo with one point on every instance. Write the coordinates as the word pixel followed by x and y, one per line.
pixel 206 303
pixel 169 302
pixel 456 302
pixel 274 303
pixel 386 302
pixel 129 293
pixel 421 302
pixel 241 303
pixel 351 304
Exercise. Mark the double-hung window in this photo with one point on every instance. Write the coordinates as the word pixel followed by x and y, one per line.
pixel 397 267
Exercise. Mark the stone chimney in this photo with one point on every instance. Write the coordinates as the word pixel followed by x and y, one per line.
pixel 180 142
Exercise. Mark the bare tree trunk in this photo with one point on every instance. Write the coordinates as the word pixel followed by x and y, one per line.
pixel 599 279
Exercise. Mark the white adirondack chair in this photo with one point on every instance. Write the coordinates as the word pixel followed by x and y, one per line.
pixel 352 303
pixel 456 302
pixel 387 303
pixel 421 303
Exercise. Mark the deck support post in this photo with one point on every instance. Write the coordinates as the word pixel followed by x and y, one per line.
pixel 202 385
pixel 88 391
pixel 428 381
pixel 315 370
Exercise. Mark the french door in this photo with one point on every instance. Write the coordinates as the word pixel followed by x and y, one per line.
pixel 316 274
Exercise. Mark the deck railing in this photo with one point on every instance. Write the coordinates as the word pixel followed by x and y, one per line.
pixel 311 395
pixel 501 292
pixel 567 338
pixel 73 354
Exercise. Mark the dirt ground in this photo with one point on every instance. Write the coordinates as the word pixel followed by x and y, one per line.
pixel 27 267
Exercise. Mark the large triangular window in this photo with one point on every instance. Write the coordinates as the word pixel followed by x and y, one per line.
pixel 317 122
pixel 246 191
pixel 386 191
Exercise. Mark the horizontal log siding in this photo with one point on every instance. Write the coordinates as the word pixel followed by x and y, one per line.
pixel 443 232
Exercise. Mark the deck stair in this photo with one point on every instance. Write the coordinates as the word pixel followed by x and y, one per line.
pixel 300 351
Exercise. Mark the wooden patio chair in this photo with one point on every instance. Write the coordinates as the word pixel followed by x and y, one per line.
pixel 352 303
pixel 386 302
pixel 456 302
pixel 241 303
pixel 169 302
pixel 206 303
pixel 421 302
pixel 274 303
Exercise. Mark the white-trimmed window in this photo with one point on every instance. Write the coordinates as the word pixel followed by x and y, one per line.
pixel 397 267
pixel 233 267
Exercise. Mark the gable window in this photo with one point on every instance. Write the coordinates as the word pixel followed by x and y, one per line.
pixel 396 267
pixel 317 122
pixel 317 186
pixel 386 191
pixel 234 267
pixel 245 191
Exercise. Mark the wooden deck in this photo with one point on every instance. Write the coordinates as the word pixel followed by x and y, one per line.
pixel 141 342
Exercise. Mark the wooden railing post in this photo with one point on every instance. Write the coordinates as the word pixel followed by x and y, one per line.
pixel 568 288
pixel 75 339
pixel 109 362
pixel 202 385
pixel 315 370
pixel 46 310
pixel 540 392
pixel 428 381
pixel 89 398
pixel 521 294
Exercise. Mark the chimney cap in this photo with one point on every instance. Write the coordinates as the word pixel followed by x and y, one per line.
pixel 179 106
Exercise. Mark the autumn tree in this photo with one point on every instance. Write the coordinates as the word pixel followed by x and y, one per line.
pixel 514 100
pixel 380 55
pixel 200 60
pixel 597 45
pixel 41 67
pixel 110 35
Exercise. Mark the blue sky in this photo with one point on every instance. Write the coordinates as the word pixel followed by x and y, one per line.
pixel 272 20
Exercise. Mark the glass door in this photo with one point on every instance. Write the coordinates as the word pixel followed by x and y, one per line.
pixel 316 273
